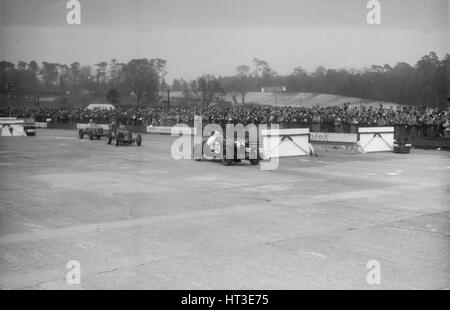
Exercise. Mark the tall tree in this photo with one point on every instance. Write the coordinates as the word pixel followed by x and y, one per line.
pixel 74 71
pixel 207 89
pixel 49 73
pixel 100 73
pixel 142 79
pixel 176 85
pixel 243 81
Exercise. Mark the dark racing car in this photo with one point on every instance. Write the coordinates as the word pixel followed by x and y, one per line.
pixel 402 145
pixel 122 135
pixel 92 131
pixel 215 146
pixel 29 126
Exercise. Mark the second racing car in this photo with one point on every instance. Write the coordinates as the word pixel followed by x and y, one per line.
pixel 122 135
pixel 92 130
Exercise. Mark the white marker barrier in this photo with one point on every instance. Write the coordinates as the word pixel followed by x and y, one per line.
pixel 334 137
pixel 285 143
pixel 11 127
pixel 375 139
pixel 168 130
pixel 84 126
pixel 41 125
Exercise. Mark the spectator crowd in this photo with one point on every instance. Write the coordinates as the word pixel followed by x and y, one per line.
pixel 345 118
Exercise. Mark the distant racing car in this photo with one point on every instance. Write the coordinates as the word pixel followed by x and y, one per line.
pixel 122 135
pixel 92 131
pixel 29 126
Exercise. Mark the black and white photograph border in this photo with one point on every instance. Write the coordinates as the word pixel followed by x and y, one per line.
pixel 224 145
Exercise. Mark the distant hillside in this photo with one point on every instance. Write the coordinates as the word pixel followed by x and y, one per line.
pixel 307 100
pixel 298 99
pixel 275 99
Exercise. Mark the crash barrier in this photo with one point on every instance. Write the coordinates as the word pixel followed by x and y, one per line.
pixel 375 139
pixel 41 124
pixel 72 126
pixel 138 129
pixel 285 142
pixel 159 129
pixel 84 126
pixel 169 130
pixel 12 127
pixel 417 130
pixel 421 131
pixel 334 137
pixel 431 143
pixel 55 125
pixel 368 139
pixel 413 132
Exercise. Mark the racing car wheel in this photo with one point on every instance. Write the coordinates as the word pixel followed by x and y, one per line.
pixel 138 140
pixel 226 162
pixel 254 162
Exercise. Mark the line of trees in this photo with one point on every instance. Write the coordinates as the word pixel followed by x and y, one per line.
pixel 141 78
pixel 425 83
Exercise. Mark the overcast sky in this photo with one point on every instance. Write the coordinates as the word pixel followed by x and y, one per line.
pixel 215 36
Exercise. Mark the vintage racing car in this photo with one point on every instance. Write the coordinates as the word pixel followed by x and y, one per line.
pixel 402 145
pixel 29 126
pixel 122 135
pixel 214 148
pixel 92 130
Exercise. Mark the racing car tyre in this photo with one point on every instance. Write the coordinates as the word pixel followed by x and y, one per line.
pixel 226 162
pixel 254 162
pixel 138 140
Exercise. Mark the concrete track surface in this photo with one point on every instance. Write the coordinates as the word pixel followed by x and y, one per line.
pixel 137 219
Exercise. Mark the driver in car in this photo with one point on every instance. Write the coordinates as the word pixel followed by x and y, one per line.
pixel 90 124
pixel 210 142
